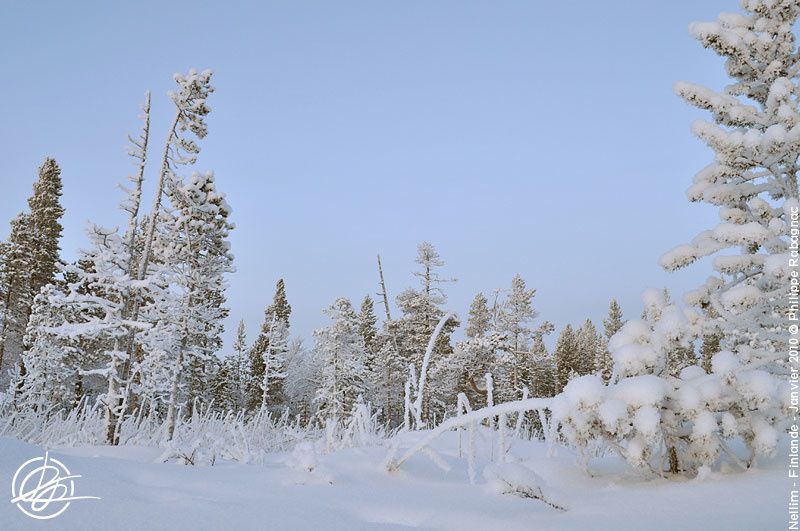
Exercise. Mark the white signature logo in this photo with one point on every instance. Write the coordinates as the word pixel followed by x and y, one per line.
pixel 43 488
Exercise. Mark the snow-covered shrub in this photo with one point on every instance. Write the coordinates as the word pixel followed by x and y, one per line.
pixel 204 438
pixel 655 420
pixel 360 429
pixel 304 459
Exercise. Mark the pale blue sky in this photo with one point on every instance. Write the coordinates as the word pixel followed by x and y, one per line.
pixel 539 138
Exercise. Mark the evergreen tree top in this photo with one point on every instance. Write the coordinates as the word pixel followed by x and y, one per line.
pixel 46 212
pixel 280 306
pixel 368 321
pixel 428 257
pixel 613 322
pixel 479 319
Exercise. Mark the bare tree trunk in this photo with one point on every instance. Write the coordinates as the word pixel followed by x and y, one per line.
pixel 114 412
pixel 173 395
pixel 383 292
pixel 6 312
pixel 265 381
pixel 113 401
pixel 385 296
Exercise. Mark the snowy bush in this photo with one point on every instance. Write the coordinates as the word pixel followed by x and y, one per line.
pixel 655 420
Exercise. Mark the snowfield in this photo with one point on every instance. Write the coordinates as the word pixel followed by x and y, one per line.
pixel 350 490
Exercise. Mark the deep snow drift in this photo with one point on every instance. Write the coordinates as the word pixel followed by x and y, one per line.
pixel 350 490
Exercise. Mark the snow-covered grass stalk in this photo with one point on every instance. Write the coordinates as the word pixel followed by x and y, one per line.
pixel 202 438
pixel 519 480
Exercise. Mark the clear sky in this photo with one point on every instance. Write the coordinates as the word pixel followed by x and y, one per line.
pixel 539 138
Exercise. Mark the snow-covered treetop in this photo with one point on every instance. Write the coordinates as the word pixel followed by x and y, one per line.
pixel 191 99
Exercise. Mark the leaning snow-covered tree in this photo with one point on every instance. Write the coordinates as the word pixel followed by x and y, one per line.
pixel 755 136
pixel 180 149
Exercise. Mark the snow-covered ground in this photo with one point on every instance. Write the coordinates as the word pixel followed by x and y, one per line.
pixel 350 490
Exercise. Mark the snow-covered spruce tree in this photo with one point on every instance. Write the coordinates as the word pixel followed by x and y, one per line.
pixel 48 370
pixel 339 357
pixel 46 214
pixel 278 311
pixel 240 364
pixel 368 323
pixel 55 362
pixel 15 270
pixel 611 325
pixel 224 386
pixel 479 318
pixel 133 244
pixel 300 379
pixel 755 136
pixel 477 355
pixel 388 378
pixel 515 314
pixel 369 333
pixel 567 356
pixel 196 253
pixel 413 332
pixel 120 259
pixel 428 257
pixel 274 362
pixel 40 249
pixel 421 311
pixel 588 346
pixel 613 321
pixel 543 370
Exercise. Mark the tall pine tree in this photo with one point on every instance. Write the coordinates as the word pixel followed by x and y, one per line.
pixel 34 245
pixel 567 357
pixel 275 325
